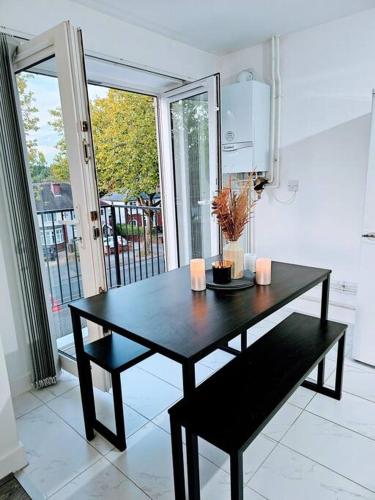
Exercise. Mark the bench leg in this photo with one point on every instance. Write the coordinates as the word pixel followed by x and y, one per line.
pixel 335 393
pixel 323 318
pixel 119 411
pixel 321 372
pixel 84 377
pixel 340 367
pixel 178 461
pixel 236 476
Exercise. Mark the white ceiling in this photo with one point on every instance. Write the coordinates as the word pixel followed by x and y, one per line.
pixel 222 26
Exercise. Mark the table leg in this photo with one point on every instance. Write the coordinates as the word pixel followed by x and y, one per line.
pixel 188 374
pixel 244 341
pixel 323 317
pixel 84 376
pixel 178 461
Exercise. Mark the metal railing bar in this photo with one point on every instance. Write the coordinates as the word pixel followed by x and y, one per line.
pixel 144 241
pixel 72 217
pixel 151 243
pixel 46 257
pixel 139 249
pixel 57 260
pixel 108 249
pixel 133 245
pixel 122 247
pixel 67 261
pixel 115 246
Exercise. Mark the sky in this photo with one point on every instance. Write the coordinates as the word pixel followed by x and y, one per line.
pixel 46 95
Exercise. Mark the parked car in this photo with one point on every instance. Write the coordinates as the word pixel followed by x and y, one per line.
pixel 109 244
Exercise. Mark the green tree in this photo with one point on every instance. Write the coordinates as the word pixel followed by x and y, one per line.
pixel 124 133
pixel 59 166
pixel 126 153
pixel 124 130
pixel 37 161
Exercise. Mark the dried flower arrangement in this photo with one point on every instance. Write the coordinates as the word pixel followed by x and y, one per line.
pixel 233 209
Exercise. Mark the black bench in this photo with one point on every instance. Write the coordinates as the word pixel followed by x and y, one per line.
pixel 232 407
pixel 115 354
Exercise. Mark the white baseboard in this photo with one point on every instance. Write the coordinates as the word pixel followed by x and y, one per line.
pixel 20 385
pixel 311 305
pixel 13 461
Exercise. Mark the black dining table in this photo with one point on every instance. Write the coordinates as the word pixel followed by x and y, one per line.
pixel 165 315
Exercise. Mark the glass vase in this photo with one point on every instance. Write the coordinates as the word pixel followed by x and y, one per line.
pixel 234 252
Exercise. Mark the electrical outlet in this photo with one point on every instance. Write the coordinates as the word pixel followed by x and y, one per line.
pixel 293 186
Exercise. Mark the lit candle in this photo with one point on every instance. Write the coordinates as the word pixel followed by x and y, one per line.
pixel 263 271
pixel 197 275
pixel 249 260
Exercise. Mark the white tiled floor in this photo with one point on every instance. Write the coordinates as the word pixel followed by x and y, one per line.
pixel 315 448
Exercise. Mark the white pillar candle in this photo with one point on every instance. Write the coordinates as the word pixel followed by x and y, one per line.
pixel 263 271
pixel 197 275
pixel 249 262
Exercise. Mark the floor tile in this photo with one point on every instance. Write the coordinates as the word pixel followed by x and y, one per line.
pixel 147 394
pixel 330 367
pixel 69 407
pixel 170 371
pixel 253 457
pixel 101 480
pixel 216 359
pixel 65 382
pixel 24 403
pixel 287 475
pixel 55 452
pixel 142 463
pixel 351 411
pixel 162 421
pixel 147 461
pixel 215 483
pixel 301 397
pixel 335 447
pixel 281 422
pixel 358 379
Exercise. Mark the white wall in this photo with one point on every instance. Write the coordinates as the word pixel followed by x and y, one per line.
pixel 108 36
pixel 328 73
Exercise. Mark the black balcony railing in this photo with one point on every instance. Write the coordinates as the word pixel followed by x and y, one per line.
pixel 132 242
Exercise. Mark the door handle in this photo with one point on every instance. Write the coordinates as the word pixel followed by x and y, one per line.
pixel 369 235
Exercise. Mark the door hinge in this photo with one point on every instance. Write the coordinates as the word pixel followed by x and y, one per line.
pixel 95 233
pixel 93 215
pixel 84 126
pixel 86 148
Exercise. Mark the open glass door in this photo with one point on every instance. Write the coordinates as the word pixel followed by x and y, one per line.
pixel 65 193
pixel 190 151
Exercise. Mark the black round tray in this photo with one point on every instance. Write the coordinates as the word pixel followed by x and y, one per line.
pixel 246 282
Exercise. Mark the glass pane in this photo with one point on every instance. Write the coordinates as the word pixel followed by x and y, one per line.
pixel 43 123
pixel 189 118
pixel 127 165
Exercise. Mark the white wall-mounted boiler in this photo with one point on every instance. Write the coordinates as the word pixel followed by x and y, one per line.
pixel 245 127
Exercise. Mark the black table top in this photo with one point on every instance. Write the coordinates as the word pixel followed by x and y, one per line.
pixel 163 313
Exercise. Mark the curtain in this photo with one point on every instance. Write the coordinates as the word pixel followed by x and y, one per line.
pixel 14 182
